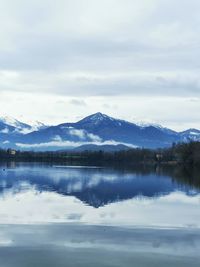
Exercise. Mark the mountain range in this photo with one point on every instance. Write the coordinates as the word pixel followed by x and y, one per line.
pixel 97 131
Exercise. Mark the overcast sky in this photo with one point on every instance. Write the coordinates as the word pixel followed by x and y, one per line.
pixel 137 60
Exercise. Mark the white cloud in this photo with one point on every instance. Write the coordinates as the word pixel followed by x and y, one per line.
pixel 84 135
pixel 57 138
pixel 6 142
pixel 5 130
pixel 79 133
pixel 94 137
pixel 78 102
pixel 70 144
pixel 70 50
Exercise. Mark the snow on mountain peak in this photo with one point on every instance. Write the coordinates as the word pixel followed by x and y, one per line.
pixel 21 127
pixel 10 121
pixel 99 117
pixel 144 125
pixel 96 118
pixel 37 125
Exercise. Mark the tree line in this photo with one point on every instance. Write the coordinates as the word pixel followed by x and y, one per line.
pixel 183 153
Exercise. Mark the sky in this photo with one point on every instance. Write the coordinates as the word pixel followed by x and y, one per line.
pixel 136 60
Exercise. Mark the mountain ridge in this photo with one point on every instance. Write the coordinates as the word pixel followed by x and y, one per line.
pixel 97 129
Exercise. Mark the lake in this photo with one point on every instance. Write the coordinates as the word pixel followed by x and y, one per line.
pixel 56 215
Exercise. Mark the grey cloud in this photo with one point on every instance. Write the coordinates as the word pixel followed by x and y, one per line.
pixel 80 48
pixel 78 102
pixel 75 84
pixel 61 39
pixel 74 216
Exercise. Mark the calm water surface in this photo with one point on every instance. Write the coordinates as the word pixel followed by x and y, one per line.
pixel 54 215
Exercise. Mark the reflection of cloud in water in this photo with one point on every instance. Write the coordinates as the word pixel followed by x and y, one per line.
pixel 74 217
pixel 177 210
pixel 82 245
pixel 43 194
pixel 94 216
pixel 96 187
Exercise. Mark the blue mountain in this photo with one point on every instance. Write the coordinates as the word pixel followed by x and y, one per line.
pixel 95 130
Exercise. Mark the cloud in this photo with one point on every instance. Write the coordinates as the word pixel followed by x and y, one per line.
pixel 78 102
pixel 69 144
pixel 74 216
pixel 84 135
pixel 100 50
pixel 94 137
pixel 6 142
pixel 79 133
pixel 57 138
pixel 5 130
pixel 75 50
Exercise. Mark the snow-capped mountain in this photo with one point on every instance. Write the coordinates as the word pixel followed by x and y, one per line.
pixel 37 125
pixel 158 126
pixel 10 125
pixel 190 135
pixel 97 129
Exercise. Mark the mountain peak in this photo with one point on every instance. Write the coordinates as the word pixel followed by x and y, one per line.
pixel 96 117
pixel 9 120
pixel 191 132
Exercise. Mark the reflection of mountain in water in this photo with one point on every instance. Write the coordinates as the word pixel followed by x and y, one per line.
pixel 95 187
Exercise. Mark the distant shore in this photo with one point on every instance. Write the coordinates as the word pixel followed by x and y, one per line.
pixel 184 154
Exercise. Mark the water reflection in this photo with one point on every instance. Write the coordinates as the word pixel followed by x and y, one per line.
pixel 33 193
pixel 81 246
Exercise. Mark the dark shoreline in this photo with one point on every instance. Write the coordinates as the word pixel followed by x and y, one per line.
pixel 185 154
